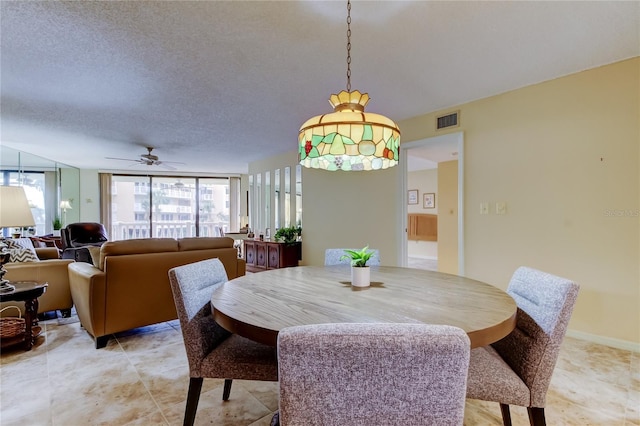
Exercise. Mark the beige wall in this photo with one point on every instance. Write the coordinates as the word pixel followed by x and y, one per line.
pixel 343 209
pixel 447 198
pixel 564 157
pixel 424 181
pixel 351 209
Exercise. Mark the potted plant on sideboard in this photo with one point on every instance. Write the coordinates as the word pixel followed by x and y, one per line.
pixel 360 273
pixel 57 225
pixel 288 235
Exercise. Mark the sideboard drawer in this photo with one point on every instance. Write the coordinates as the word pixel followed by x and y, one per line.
pixel 274 256
pixel 261 255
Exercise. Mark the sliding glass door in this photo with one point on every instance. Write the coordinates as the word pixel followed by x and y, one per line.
pixel 168 207
pixel 213 206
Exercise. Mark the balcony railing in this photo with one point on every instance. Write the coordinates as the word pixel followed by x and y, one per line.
pixel 168 229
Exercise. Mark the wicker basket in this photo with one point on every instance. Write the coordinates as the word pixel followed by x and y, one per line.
pixel 12 326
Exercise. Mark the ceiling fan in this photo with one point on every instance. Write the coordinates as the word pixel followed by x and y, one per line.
pixel 149 159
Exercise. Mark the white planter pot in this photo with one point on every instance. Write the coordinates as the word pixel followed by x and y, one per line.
pixel 56 232
pixel 360 276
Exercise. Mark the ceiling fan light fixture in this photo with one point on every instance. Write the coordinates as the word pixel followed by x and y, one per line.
pixel 149 159
pixel 349 139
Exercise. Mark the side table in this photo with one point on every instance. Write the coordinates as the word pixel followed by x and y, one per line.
pixel 27 292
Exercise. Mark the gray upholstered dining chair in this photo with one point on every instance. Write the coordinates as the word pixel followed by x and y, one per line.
pixel 517 369
pixel 332 257
pixel 372 374
pixel 212 351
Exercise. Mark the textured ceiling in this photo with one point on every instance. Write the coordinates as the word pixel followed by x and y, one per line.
pixel 219 84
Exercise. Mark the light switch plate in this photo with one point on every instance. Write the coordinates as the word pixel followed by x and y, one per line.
pixel 501 207
pixel 484 208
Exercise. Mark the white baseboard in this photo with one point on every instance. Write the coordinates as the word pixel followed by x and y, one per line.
pixel 424 257
pixel 607 341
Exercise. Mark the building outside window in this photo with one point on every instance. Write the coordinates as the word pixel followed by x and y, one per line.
pixel 167 207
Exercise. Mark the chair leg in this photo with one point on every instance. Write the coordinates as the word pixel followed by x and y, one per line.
pixel 275 420
pixel 506 414
pixel 193 395
pixel 227 389
pixel 536 416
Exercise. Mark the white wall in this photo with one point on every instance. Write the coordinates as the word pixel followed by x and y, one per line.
pixel 70 191
pixel 279 162
pixel 89 201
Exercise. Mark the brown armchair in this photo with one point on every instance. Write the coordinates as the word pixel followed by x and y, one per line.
pixel 76 237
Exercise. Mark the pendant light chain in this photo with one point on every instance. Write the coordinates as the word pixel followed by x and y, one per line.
pixel 348 139
pixel 348 45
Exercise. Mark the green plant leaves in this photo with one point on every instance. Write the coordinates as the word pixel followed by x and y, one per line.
pixel 358 258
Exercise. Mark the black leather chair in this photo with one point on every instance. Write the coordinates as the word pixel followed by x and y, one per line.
pixel 77 236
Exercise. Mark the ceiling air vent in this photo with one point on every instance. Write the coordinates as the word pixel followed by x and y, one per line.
pixel 449 120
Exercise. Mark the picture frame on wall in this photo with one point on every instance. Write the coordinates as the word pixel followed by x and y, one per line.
pixel 429 200
pixel 412 196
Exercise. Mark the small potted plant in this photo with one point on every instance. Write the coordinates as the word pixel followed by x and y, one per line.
pixel 360 274
pixel 57 226
pixel 288 235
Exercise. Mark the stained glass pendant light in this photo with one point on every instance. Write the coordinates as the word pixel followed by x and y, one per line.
pixel 348 138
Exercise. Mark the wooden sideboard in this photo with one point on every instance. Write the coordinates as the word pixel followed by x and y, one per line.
pixel 262 255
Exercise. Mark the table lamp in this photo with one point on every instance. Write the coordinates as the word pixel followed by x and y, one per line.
pixel 14 212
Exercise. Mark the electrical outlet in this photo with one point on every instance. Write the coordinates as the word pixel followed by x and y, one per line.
pixel 484 208
pixel 501 207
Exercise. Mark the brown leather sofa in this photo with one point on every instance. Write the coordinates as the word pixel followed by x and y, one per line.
pixel 49 269
pixel 130 287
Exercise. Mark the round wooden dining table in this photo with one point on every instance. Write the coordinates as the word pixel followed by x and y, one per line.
pixel 257 306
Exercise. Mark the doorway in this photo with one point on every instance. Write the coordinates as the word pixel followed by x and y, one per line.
pixel 416 157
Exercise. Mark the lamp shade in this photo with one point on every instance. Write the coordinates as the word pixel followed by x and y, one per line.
pixel 349 139
pixel 65 205
pixel 14 208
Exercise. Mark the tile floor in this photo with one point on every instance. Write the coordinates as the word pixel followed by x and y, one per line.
pixel 141 378
pixel 420 263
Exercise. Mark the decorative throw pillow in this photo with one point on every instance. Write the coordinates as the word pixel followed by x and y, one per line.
pixel 95 256
pixel 21 244
pixel 22 255
pixel 16 243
